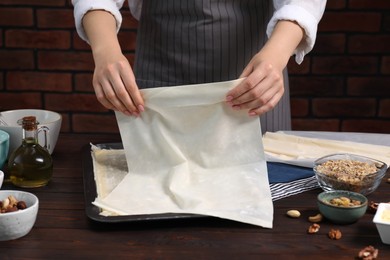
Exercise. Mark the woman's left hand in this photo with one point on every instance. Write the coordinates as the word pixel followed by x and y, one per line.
pixel 260 91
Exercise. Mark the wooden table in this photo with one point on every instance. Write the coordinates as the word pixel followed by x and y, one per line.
pixel 63 231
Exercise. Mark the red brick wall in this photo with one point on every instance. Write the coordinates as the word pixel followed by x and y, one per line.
pixel 343 84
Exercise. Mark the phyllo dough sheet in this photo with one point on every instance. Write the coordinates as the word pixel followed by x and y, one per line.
pixel 190 153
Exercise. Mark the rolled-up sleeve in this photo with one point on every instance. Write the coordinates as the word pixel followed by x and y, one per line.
pixel 81 7
pixel 307 13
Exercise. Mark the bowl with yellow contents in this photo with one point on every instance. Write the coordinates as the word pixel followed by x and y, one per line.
pixel 382 222
pixel 342 207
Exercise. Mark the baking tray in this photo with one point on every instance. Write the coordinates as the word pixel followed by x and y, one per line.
pixel 90 193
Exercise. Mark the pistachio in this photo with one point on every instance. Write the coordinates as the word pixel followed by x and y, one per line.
pixel 293 213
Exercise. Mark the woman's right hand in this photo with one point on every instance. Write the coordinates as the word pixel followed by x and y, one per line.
pixel 115 85
pixel 113 79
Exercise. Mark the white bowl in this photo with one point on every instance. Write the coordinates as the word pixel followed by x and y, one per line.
pixel 4 148
pixel 47 118
pixel 1 178
pixel 382 222
pixel 17 224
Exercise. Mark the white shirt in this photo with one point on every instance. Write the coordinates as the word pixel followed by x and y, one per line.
pixel 307 13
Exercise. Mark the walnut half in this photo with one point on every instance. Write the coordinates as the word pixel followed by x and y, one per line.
pixel 368 253
pixel 334 234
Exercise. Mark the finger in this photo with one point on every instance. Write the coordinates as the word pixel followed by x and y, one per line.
pixel 101 96
pixel 267 106
pixel 234 95
pixel 111 95
pixel 133 90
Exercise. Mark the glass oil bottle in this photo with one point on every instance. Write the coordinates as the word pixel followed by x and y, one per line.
pixel 30 165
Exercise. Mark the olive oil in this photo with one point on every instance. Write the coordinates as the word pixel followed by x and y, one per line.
pixel 30 165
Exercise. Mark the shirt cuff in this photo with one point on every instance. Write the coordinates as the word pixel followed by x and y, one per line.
pixel 82 7
pixel 305 19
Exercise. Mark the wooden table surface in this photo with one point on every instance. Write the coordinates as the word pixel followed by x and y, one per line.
pixel 63 230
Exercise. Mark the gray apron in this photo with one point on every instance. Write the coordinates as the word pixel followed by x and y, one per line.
pixel 200 41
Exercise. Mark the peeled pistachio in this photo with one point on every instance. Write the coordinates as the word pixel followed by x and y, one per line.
pixel 293 213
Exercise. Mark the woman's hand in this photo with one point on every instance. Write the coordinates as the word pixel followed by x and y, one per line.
pixel 260 91
pixel 264 86
pixel 113 79
pixel 115 84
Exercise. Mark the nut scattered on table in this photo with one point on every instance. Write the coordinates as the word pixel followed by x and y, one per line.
pixel 316 219
pixel 368 253
pixel 293 213
pixel 334 234
pixel 11 204
pixel 314 228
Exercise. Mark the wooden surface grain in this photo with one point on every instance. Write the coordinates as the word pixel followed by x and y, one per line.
pixel 63 230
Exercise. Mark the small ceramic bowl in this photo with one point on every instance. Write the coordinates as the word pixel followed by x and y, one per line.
pixel 19 223
pixel 49 119
pixel 349 172
pixel 4 147
pixel 382 222
pixel 334 206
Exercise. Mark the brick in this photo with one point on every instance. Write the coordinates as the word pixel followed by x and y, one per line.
pixel 127 40
pixel 40 81
pixel 16 59
pixel 366 125
pixel 330 43
pixel 65 124
pixel 63 60
pixel 315 124
pixel 78 43
pixel 369 43
pixel 10 101
pixel 55 18
pixel 34 2
pixel 88 123
pixel 37 39
pixel 345 107
pixel 385 68
pixel 130 58
pixel 386 22
pixel 128 21
pixel 74 103
pixel 83 82
pixel 1 80
pixel 1 38
pixel 350 22
pixel 301 86
pixel 299 107
pixel 295 68
pixel 24 16
pixel 335 4
pixel 369 4
pixel 368 86
pixel 384 108
pixel 339 65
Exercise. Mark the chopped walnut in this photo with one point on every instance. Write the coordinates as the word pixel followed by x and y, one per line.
pixel 373 206
pixel 334 234
pixel 368 253
pixel 314 228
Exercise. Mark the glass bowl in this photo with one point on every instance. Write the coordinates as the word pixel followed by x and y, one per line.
pixel 349 172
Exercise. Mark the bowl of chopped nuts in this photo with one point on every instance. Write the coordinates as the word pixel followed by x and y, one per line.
pixel 341 206
pixel 18 212
pixel 349 172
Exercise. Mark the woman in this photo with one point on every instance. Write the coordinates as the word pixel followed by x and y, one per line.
pixel 200 41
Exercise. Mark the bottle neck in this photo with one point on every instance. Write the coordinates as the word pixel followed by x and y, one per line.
pixel 30 136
